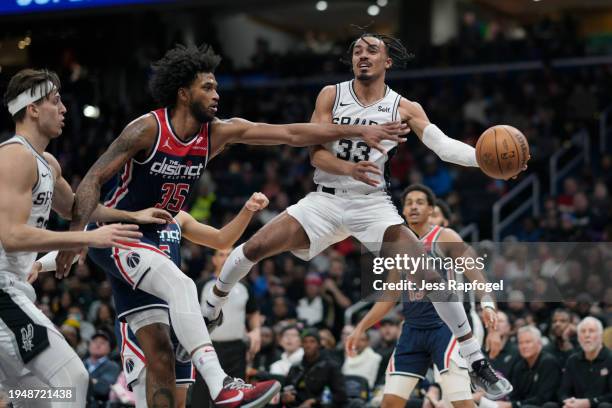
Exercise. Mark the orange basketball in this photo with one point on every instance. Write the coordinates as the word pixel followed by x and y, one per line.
pixel 502 151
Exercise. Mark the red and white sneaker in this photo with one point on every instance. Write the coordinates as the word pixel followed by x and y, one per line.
pixel 237 393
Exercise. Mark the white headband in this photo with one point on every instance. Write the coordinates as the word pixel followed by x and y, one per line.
pixel 30 96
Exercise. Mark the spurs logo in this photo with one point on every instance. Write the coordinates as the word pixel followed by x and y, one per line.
pixel 27 335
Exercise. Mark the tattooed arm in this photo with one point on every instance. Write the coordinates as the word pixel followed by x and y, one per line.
pixel 137 136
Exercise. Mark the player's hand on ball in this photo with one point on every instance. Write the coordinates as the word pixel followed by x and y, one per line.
pixel 36 268
pixel 257 202
pixel 152 216
pixel 350 345
pixel 361 171
pixel 375 134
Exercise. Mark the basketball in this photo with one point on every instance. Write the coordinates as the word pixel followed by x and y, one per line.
pixel 502 151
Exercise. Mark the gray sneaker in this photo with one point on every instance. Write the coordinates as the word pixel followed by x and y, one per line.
pixel 484 378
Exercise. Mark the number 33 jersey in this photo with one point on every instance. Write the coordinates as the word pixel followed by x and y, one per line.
pixel 348 110
pixel 166 177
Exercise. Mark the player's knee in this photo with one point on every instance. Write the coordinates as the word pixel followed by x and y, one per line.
pixel 253 249
pixel 392 401
pixel 162 358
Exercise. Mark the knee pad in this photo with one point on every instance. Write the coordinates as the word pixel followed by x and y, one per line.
pixel 143 318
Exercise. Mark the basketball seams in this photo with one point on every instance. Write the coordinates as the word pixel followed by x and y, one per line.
pixel 516 148
pixel 501 172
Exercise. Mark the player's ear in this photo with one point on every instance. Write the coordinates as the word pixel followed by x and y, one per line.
pixel 183 94
pixel 388 63
pixel 33 109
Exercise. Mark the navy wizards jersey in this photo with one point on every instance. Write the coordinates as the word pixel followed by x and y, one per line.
pixel 418 311
pixel 166 177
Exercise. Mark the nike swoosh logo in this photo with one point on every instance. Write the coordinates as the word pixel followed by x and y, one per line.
pixel 44 175
pixel 345 104
pixel 238 397
pixel 461 325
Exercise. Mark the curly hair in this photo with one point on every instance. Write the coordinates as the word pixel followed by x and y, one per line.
pixel 179 68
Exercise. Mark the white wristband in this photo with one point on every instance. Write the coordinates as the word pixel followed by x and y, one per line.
pixel 487 301
pixel 48 261
pixel 448 149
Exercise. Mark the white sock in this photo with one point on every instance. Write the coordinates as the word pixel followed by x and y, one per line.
pixel 167 282
pixel 236 267
pixel 470 350
pixel 207 363
pixel 453 314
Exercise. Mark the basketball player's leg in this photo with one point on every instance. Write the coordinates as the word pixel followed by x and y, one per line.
pixel 306 228
pixel 29 340
pixel 400 240
pixel 160 277
pixel 284 233
pixel 154 340
pixel 60 366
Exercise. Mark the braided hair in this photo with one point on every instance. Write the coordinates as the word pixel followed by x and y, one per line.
pixel 395 49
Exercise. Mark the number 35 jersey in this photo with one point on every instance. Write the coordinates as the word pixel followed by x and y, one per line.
pixel 348 110
pixel 166 177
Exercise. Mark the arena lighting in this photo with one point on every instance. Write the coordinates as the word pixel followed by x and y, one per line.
pixel 92 112
pixel 373 10
pixel 382 3
pixel 321 5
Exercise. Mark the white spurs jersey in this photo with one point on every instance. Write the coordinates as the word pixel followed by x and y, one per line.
pixel 20 263
pixel 348 110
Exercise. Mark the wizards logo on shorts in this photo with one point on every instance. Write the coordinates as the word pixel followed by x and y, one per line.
pixel 133 259
pixel 129 365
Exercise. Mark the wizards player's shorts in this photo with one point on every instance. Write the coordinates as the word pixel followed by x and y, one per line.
pixel 133 360
pixel 125 269
pixel 416 351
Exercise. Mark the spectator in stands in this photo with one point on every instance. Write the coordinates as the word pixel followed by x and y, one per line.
pixel 562 336
pixel 105 316
pixel 268 353
pixel 587 382
pixel 535 376
pixel 293 352
pixel 239 333
pixel 502 352
pixel 314 308
pixel 103 372
pixel 365 363
pixel 337 286
pixel 306 381
pixel 389 333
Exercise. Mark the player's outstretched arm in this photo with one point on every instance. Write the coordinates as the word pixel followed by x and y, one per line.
pixel 18 175
pixel 238 130
pixel 138 136
pixel 447 149
pixel 63 200
pixel 227 236
pixel 374 315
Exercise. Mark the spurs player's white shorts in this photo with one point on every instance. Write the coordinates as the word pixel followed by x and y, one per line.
pixel 23 328
pixel 330 218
